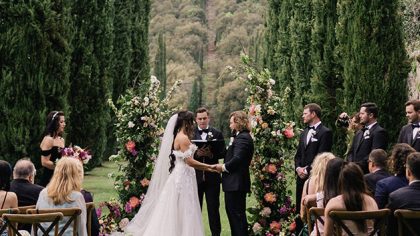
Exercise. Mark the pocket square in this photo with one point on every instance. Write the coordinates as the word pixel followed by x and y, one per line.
pixel 367 137
pixel 314 140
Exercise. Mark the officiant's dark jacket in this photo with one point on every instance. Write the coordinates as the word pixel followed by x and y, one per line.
pixel 406 136
pixel 362 146
pixel 218 153
pixel 237 161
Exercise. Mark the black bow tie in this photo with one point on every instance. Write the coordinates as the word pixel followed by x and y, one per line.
pixel 364 129
pixel 311 127
pixel 415 125
pixel 203 130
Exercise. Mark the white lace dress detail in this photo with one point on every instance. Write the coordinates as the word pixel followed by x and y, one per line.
pixel 177 212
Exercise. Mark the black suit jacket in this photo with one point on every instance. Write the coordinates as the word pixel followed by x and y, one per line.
pixel 321 142
pixel 362 146
pixel 218 153
pixel 26 192
pixel 237 161
pixel 373 178
pixel 406 136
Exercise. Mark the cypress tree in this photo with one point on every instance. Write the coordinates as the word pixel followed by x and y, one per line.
pixel 160 64
pixel 374 60
pixel 195 97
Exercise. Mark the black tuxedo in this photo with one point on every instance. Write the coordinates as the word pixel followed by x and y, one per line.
pixel 404 198
pixel 406 136
pixel 320 142
pixel 209 182
pixel 363 144
pixel 372 178
pixel 236 181
pixel 26 192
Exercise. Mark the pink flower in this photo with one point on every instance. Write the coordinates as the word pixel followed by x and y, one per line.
pixel 130 145
pixel 275 227
pixel 265 212
pixel 288 133
pixel 134 201
pixel 271 168
pixel 256 228
pixel 144 182
pixel 128 208
pixel 270 197
pixel 292 226
pixel 252 110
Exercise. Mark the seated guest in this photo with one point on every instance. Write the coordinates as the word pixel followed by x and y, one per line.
pixel 384 187
pixel 23 183
pixel 377 169
pixel 63 191
pixel 407 197
pixel 95 221
pixel 7 199
pixel 353 197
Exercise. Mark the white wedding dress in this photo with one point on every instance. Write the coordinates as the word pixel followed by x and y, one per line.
pixel 171 206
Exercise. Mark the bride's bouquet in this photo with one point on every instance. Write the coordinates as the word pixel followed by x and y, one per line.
pixel 76 152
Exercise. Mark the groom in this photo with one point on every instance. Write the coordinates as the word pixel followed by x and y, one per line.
pixel 209 182
pixel 236 181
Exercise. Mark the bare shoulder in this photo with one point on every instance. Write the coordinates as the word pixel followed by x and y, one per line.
pixel 47 142
pixel 335 203
pixel 370 203
pixel 182 142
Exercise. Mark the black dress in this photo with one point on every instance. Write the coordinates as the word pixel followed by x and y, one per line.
pixel 48 173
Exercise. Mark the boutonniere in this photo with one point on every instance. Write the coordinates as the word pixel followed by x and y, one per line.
pixel 210 136
pixel 366 134
pixel 313 133
pixel 231 141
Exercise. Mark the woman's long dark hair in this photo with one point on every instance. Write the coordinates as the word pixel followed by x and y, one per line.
pixel 5 174
pixel 352 188
pixel 184 121
pixel 332 172
pixel 53 123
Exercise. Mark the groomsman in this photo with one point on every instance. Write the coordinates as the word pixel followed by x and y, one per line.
pixel 236 179
pixel 410 133
pixel 315 139
pixel 371 136
pixel 209 182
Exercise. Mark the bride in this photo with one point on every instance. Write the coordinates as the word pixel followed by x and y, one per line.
pixel 171 205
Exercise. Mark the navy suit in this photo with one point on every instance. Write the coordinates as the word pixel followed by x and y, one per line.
pixel 404 198
pixel 386 186
pixel 372 178
pixel 406 136
pixel 363 144
pixel 237 182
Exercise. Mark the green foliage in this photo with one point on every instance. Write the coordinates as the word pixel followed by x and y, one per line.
pixel 160 64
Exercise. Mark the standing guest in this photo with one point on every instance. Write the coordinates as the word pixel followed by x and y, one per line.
pixel 236 179
pixel 7 199
pixel 352 125
pixel 51 144
pixel 407 197
pixel 371 136
pixel 377 169
pixel 64 192
pixel 209 182
pixel 23 183
pixel 410 133
pixel 353 197
pixel 388 185
pixel 315 139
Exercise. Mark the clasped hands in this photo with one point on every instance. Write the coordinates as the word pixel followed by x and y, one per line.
pixel 301 172
pixel 215 168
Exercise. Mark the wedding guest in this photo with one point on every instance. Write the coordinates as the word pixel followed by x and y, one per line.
pixel 410 133
pixel 94 219
pixel 377 169
pixel 352 125
pixel 386 186
pixel 407 197
pixel 63 191
pixel 372 136
pixel 7 199
pixel 315 139
pixel 23 183
pixel 209 182
pixel 51 144
pixel 353 197
pixel 236 180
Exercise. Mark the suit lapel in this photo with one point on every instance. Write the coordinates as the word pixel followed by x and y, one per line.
pixel 305 134
pixel 359 140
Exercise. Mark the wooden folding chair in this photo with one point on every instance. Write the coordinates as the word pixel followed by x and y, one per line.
pixel 406 221
pixel 316 214
pixel 89 211
pixel 3 225
pixel 22 210
pixel 72 213
pixel 380 218
pixel 12 220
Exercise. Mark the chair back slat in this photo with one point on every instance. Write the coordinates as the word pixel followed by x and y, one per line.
pixel 317 213
pixel 72 213
pixel 3 225
pixel 12 220
pixel 380 218
pixel 23 209
pixel 89 211
pixel 403 216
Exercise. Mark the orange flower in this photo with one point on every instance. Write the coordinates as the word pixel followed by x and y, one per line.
pixel 144 182
pixel 271 168
pixel 270 197
pixel 292 226
pixel 130 145
pixel 264 125
pixel 275 227
pixel 134 201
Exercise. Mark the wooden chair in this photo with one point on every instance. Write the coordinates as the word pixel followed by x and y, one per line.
pixel 23 209
pixel 72 213
pixel 404 225
pixel 3 225
pixel 380 218
pixel 12 220
pixel 89 211
pixel 316 214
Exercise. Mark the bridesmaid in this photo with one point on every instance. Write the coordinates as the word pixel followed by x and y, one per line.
pixel 51 144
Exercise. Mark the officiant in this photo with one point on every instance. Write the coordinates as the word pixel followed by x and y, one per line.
pixel 211 148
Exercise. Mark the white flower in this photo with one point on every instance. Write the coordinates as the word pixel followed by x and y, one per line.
pixel 265 212
pixel 123 223
pixel 250 76
pixel 229 67
pixel 272 82
pixel 154 80
pixel 273 133
pixel 256 228
pixel 254 123
pixel 146 101
pixel 131 124
pixel 258 108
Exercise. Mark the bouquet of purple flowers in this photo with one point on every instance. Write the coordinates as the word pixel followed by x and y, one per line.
pixel 76 152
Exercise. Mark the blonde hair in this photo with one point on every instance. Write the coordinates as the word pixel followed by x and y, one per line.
pixel 241 119
pixel 318 169
pixel 68 177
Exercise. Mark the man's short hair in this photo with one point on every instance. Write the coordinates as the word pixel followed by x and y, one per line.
pixel 23 169
pixel 201 110
pixel 371 108
pixel 415 103
pixel 313 107
pixel 413 164
pixel 379 157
